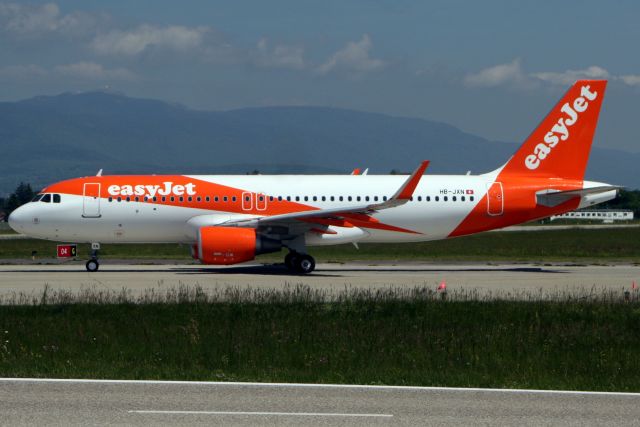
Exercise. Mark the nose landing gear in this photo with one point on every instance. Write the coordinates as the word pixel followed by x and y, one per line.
pixel 93 264
pixel 299 263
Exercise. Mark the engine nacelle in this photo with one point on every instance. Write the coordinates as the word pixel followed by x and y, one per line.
pixel 232 245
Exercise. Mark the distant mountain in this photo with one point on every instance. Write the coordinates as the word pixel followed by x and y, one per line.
pixel 48 138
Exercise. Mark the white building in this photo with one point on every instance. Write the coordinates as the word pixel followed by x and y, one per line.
pixel 605 215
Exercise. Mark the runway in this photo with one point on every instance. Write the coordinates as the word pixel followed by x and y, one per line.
pixel 483 279
pixel 55 402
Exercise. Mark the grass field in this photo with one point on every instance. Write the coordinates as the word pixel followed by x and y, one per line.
pixel 554 245
pixel 403 337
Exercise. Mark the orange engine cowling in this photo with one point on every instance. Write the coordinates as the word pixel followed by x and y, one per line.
pixel 232 245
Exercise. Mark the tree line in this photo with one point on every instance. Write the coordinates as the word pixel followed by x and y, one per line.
pixel 22 194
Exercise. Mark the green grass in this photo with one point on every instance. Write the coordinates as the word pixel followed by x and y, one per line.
pixel 401 337
pixel 554 245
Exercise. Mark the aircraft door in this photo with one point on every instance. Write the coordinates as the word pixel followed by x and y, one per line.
pixel 495 199
pixel 91 200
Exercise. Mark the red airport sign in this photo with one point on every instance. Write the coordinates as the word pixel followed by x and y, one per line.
pixel 67 251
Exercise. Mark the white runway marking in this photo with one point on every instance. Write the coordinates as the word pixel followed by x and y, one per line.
pixel 277 414
pixel 309 385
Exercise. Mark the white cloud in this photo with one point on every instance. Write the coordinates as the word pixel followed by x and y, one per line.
pixel 93 71
pixel 513 75
pixel 570 76
pixel 630 79
pixel 510 74
pixel 22 71
pixel 32 21
pixel 175 38
pixel 281 56
pixel 354 58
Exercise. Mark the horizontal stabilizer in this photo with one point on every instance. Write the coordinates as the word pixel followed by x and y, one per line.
pixel 553 198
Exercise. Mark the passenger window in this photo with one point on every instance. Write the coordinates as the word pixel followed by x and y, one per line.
pixel 349 198
pixel 173 199
pixel 56 198
pixel 233 198
pixel 288 198
pixel 384 198
pixel 120 199
pixel 164 199
pixel 453 198
pixel 315 199
pixel 279 198
pixel 366 198
pixel 207 199
pixel 128 199
pixel 471 198
pixel 190 199
pixel 297 198
pixel 419 198
pixel 341 198
pixel 199 199
pixel 437 198
pixel 215 199
pixel 137 199
pixel 428 198
pixel 270 198
pixel 181 199
pixel 324 198
pixel 225 198
pixel 446 199
pixel 462 198
pixel 110 199
pixel 375 198
pixel 333 198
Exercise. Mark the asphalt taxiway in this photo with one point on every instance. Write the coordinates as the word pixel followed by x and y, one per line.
pixel 482 279
pixel 70 402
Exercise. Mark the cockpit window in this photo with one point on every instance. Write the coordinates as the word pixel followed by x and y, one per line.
pixel 46 198
pixel 56 198
pixel 37 198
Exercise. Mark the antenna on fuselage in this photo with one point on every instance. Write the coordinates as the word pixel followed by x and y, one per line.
pixel 99 173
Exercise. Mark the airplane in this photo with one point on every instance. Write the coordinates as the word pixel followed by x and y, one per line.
pixel 232 219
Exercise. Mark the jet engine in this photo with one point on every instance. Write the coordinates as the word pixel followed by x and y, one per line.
pixel 232 245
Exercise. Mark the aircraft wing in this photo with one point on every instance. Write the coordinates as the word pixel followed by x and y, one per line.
pixel 343 215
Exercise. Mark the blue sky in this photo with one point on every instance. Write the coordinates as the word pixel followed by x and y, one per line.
pixel 493 68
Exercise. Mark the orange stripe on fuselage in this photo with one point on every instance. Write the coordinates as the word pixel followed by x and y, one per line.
pixel 519 198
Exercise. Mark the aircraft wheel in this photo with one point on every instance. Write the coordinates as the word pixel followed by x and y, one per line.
pixel 290 260
pixel 305 264
pixel 92 265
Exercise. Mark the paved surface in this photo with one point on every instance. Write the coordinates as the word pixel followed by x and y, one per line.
pixel 165 403
pixel 520 279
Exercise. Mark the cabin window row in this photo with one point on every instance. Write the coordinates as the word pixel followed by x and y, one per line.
pixel 290 198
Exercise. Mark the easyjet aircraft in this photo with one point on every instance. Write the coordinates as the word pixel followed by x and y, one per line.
pixel 231 219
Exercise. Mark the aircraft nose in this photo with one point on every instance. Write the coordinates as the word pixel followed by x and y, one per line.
pixel 17 220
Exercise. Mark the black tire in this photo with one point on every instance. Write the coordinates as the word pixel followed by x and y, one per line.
pixel 305 264
pixel 290 260
pixel 92 265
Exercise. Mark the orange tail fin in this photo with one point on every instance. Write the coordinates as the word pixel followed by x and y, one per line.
pixel 560 145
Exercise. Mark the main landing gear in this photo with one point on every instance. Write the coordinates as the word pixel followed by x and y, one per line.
pixel 299 263
pixel 93 264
